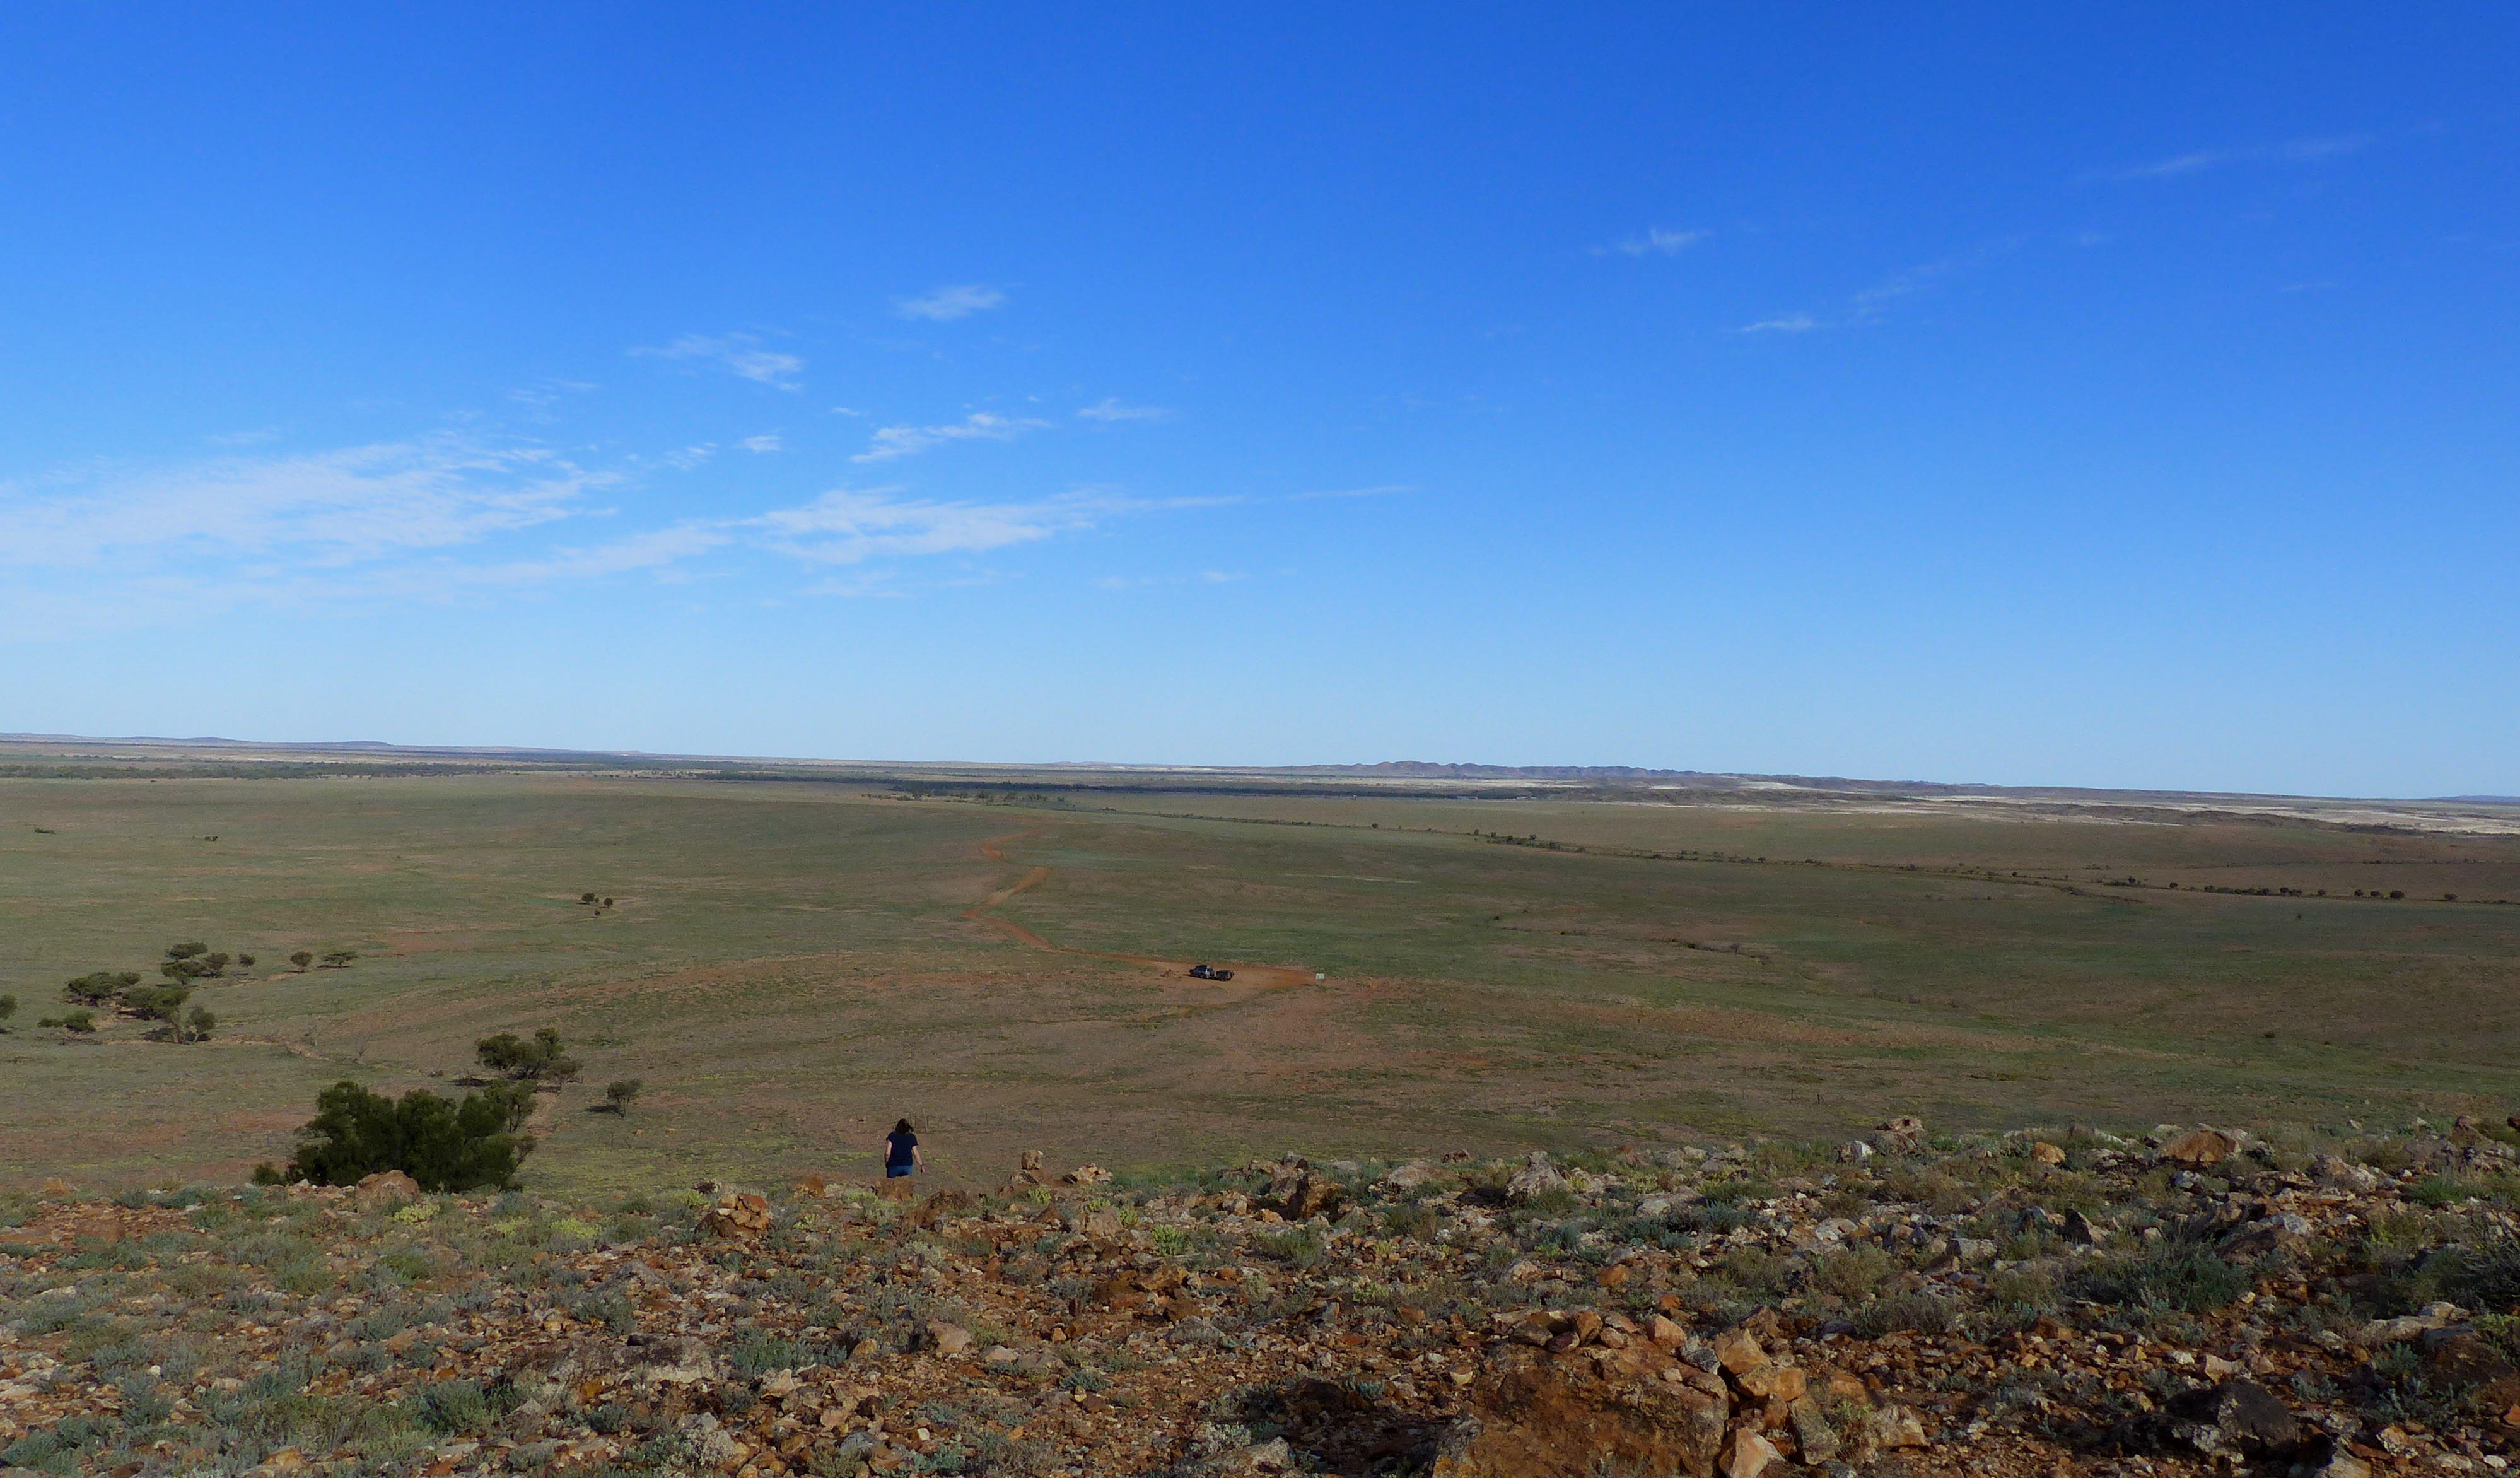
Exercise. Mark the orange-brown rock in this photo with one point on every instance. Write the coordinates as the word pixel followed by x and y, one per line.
pixel 736 1214
pixel 384 1188
pixel 2199 1149
pixel 1737 1350
pixel 1533 1416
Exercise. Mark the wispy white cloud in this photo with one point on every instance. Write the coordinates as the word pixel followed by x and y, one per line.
pixel 332 508
pixel 257 437
pixel 548 393
pixel 445 518
pixel 2306 151
pixel 1110 410
pixel 892 442
pixel 769 442
pixel 1378 491
pixel 1657 241
pixel 741 354
pixel 654 549
pixel 1140 581
pixel 945 304
pixel 1873 304
pixel 848 527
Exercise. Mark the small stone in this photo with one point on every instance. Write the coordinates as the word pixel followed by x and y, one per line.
pixel 1664 1332
pixel 2047 1154
pixel 1772 1382
pixel 1748 1455
pixel 1737 1351
pixel 1895 1427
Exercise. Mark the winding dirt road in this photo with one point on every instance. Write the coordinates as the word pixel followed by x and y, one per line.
pixel 984 912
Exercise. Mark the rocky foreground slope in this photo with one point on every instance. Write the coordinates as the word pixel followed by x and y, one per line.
pixel 2310 1302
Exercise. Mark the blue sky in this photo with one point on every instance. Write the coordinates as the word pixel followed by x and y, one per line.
pixel 2081 396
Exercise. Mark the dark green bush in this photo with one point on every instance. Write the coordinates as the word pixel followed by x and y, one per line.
pixel 444 1145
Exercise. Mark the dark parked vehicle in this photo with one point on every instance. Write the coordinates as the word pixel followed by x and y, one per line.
pixel 1202 972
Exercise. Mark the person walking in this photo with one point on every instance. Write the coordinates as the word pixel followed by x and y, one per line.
pixel 901 1155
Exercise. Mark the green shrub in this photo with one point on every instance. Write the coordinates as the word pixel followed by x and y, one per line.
pixel 453 1408
pixel 1912 1313
pixel 2484 1275
pixel 1854 1273
pixel 1411 1220
pixel 444 1145
pixel 2187 1276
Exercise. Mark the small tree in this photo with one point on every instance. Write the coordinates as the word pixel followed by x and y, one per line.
pixel 586 898
pixel 98 987
pixel 199 1024
pixel 187 951
pixel 339 960
pixel 540 1060
pixel 514 1102
pixel 302 958
pixel 245 961
pixel 8 1007
pixel 620 1091
pixel 76 1022
pixel 158 1003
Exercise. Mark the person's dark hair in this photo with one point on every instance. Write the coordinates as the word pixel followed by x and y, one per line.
pixel 903 1128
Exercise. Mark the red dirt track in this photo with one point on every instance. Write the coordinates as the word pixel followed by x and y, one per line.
pixel 983 912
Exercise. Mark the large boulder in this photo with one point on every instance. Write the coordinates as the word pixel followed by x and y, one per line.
pixel 1534 1415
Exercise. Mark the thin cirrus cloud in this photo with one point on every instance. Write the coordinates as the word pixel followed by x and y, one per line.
pixel 947 303
pixel 1657 241
pixel 1110 409
pixel 738 353
pixel 2306 151
pixel 892 442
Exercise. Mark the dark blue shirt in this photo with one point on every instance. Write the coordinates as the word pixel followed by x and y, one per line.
pixel 901 1145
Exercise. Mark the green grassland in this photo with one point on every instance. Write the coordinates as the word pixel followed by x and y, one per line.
pixel 789 967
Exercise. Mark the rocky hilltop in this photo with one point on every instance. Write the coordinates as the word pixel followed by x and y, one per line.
pixel 2331 1302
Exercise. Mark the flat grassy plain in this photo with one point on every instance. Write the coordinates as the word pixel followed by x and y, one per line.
pixel 790 967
